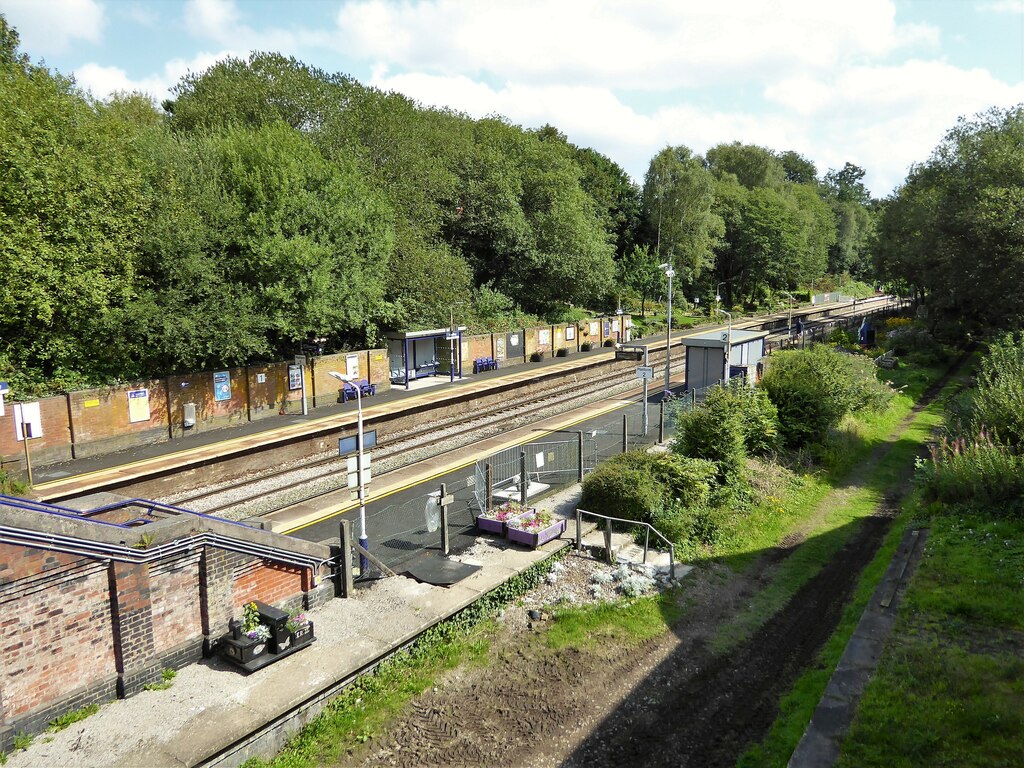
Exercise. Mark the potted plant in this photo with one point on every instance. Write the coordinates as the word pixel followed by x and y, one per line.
pixel 585 346
pixel 255 629
pixel 537 356
pixel 534 528
pixel 561 352
pixel 494 520
pixel 301 629
pixel 248 638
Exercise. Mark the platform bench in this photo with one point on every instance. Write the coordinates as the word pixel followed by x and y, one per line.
pixel 485 364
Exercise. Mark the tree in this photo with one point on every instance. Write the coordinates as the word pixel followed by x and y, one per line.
pixel 638 270
pixel 798 169
pixel 752 166
pixel 677 211
pixel 954 228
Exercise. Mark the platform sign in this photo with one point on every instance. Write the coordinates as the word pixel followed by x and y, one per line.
pixel 5 388
pixel 353 475
pixel 138 405
pixel 347 445
pixel 645 372
pixel 294 377
pixel 221 386
pixel 27 420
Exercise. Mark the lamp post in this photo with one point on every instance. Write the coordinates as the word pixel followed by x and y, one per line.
pixel 364 541
pixel 718 292
pixel 791 302
pixel 728 346
pixel 669 273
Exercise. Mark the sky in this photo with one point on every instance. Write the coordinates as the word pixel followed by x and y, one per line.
pixel 873 82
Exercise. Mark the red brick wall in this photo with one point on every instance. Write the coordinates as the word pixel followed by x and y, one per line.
pixel 55 615
pixel 174 591
pixel 267 581
pixel 53 446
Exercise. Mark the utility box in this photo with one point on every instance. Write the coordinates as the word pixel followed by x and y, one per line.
pixel 190 415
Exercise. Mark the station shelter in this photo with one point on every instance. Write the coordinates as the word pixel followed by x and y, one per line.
pixel 705 356
pixel 416 355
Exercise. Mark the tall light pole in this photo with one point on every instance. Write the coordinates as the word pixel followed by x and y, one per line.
pixel 669 273
pixel 792 301
pixel 718 291
pixel 364 541
pixel 728 345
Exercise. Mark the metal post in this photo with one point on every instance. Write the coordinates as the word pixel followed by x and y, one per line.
pixel 445 540
pixel 672 561
pixel 579 457
pixel 647 541
pixel 302 376
pixel 26 435
pixel 489 486
pixel 668 334
pixel 364 540
pixel 625 434
pixel 661 423
pixel 645 422
pixel 579 530
pixel 345 559
pixel 524 481
pixel 608 541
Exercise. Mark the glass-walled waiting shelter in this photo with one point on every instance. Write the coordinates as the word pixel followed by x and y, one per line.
pixel 417 354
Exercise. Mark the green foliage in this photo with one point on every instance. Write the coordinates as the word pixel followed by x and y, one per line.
pixel 12 486
pixel 22 740
pixel 713 432
pixel 626 624
pixel 953 230
pixel 166 681
pixel 976 472
pixel 999 395
pixel 758 416
pixel 70 718
pixel 814 388
pixel 638 485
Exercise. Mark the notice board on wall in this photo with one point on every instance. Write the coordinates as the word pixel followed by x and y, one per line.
pixel 138 405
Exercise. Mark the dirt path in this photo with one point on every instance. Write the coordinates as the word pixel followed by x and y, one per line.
pixel 667 702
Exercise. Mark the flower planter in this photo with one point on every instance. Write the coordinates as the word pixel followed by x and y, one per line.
pixel 242 651
pixel 535 539
pixel 498 525
pixel 302 635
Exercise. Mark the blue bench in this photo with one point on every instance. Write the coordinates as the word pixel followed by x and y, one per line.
pixel 352 389
pixel 485 364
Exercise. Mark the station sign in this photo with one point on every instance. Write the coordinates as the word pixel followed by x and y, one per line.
pixel 347 445
pixel 645 372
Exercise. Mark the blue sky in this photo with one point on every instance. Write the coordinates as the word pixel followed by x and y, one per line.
pixel 873 82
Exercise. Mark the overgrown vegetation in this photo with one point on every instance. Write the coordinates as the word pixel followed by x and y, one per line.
pixel 70 718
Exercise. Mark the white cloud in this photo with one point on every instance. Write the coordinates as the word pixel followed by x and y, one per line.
pixel 655 44
pixel 103 81
pixel 1002 6
pixel 48 28
pixel 222 22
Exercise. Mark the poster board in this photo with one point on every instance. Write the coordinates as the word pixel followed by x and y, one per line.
pixel 27 415
pixel 294 377
pixel 221 386
pixel 352 366
pixel 138 405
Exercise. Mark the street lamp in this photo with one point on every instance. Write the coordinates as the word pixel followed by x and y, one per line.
pixel 669 273
pixel 728 345
pixel 364 541
pixel 718 292
pixel 791 302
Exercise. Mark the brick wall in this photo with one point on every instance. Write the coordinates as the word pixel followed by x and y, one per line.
pixel 78 630
pixel 56 622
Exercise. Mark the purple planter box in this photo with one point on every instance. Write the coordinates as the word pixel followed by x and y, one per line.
pixel 490 525
pixel 537 538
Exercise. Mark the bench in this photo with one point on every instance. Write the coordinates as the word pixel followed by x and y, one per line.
pixel 485 364
pixel 351 389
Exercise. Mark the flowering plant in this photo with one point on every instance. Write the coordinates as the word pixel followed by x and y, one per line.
pixel 537 521
pixel 506 511
pixel 297 620
pixel 253 628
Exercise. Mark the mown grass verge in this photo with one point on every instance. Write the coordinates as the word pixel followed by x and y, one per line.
pixel 950 689
pixel 628 622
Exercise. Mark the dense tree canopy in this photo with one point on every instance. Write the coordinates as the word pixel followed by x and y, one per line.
pixel 268 202
pixel 954 230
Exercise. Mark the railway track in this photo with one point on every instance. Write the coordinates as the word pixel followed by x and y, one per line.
pixel 267 492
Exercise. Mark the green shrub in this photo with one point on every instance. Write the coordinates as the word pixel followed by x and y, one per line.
pixel 999 396
pixel 12 486
pixel 758 416
pixel 979 473
pixel 814 388
pixel 638 485
pixel 714 435
pixel 536 357
pixel 585 346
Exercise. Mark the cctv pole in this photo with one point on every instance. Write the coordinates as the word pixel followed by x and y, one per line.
pixel 668 334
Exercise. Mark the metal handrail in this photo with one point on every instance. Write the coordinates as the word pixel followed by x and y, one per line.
pixel 608 532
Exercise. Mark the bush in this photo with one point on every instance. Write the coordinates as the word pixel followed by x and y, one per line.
pixel 978 472
pixel 758 416
pixel 712 435
pixel 999 396
pixel 638 485
pixel 814 388
pixel 562 352
pixel 12 486
pixel 536 357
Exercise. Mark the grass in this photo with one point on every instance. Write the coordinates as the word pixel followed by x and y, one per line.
pixel 796 708
pixel 627 623
pixel 950 689
pixel 70 718
pixel 166 681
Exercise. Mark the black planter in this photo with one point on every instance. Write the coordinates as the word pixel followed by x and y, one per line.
pixel 302 635
pixel 242 651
